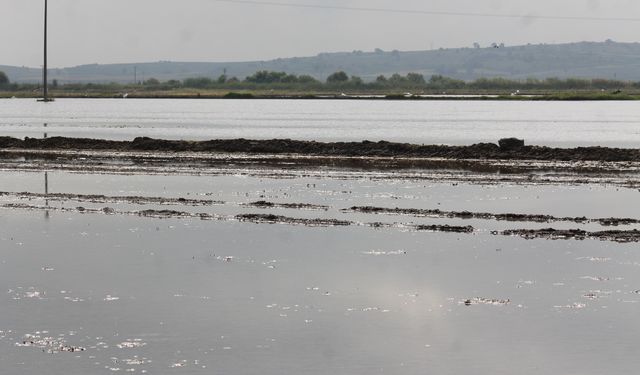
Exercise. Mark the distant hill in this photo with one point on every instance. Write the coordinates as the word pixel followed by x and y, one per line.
pixel 609 60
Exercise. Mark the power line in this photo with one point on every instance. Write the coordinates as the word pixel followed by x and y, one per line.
pixel 431 12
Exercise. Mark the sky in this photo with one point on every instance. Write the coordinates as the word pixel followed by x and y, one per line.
pixel 126 31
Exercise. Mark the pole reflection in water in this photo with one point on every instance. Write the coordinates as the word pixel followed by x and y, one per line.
pixel 46 193
pixel 46 183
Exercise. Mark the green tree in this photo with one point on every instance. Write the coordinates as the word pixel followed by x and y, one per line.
pixel 356 81
pixel 307 79
pixel 152 82
pixel 4 80
pixel 416 79
pixel 338 77
pixel 397 80
pixel 441 82
pixel 290 78
pixel 199 83
pixel 265 76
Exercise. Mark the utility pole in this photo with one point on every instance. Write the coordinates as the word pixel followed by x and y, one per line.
pixel 44 69
pixel 135 75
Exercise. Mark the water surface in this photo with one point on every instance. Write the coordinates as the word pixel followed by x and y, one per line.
pixel 163 296
pixel 454 122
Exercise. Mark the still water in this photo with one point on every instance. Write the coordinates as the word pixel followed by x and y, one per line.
pixel 190 296
pixel 93 286
pixel 431 122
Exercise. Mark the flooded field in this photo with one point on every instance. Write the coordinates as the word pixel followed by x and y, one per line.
pixel 563 124
pixel 139 260
pixel 255 270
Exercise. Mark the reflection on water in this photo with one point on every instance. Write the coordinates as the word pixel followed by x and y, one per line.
pixel 46 192
pixel 46 181
pixel 104 293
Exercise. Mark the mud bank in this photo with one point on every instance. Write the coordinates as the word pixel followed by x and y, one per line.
pixel 508 149
pixel 621 236
pixel 295 206
pixel 435 213
pixel 277 219
pixel 94 198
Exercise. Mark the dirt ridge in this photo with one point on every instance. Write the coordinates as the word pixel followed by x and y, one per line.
pixel 508 151
pixel 620 236
pixel 537 218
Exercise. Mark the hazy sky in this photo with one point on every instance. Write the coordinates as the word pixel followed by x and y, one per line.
pixel 109 31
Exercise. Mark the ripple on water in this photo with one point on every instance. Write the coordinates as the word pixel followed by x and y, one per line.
pixel 49 344
pixel 380 252
pixel 26 293
pixel 131 344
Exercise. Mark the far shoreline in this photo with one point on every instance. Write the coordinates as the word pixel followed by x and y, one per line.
pixel 560 96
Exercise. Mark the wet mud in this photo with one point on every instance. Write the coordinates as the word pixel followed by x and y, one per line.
pixel 537 218
pixel 620 236
pixel 277 219
pixel 255 218
pixel 101 199
pixel 445 228
pixel 288 166
pixel 507 149
pixel 296 206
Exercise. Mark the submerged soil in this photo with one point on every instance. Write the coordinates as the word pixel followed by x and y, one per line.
pixel 622 236
pixel 537 218
pixel 98 198
pixel 504 151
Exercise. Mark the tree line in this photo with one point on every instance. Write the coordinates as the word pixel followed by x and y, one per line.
pixel 341 81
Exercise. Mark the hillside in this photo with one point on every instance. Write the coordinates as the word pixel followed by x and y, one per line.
pixel 576 60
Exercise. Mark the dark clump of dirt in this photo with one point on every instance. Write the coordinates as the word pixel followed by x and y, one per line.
pixel 509 149
pixel 163 213
pixel 614 222
pixel 9 142
pixel 276 219
pixel 618 235
pixel 577 234
pixel 238 95
pixel 510 144
pixel 299 206
pixel 445 228
pixel 549 233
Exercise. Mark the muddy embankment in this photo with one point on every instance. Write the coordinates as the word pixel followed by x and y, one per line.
pixel 536 218
pixel 506 149
pixel 621 236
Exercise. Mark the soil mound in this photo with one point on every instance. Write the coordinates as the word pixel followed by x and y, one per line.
pixel 509 149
